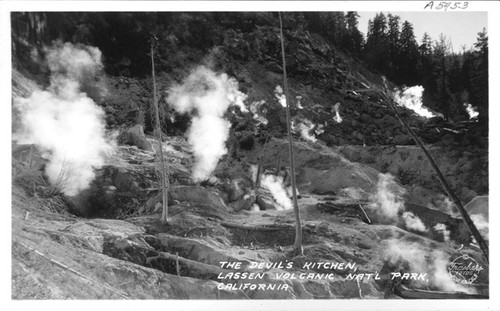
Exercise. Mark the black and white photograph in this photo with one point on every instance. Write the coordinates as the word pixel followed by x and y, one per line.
pixel 287 152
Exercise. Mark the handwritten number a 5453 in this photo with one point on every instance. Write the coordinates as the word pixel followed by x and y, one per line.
pixel 447 5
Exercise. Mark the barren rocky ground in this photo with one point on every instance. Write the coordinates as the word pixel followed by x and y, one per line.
pixel 116 248
pixel 369 202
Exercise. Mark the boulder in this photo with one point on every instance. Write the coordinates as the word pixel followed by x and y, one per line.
pixel 190 194
pixel 328 139
pixel 265 201
pixel 403 140
pixel 124 181
pixel 135 136
pixel 245 203
pixel 235 189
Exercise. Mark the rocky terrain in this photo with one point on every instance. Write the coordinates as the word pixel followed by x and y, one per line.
pixel 129 254
pixel 368 199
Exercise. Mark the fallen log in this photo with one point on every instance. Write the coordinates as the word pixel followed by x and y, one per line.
pixel 186 267
pixel 200 229
pixel 345 210
pixel 257 228
pixel 367 219
pixel 407 293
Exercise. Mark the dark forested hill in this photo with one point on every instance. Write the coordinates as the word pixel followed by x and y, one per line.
pixel 326 53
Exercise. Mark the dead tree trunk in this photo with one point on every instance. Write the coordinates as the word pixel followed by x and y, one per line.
pixel 163 171
pixel 256 184
pixel 298 227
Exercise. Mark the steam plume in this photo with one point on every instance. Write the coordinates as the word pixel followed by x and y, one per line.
pixel 471 111
pixel 304 127
pixel 299 104
pixel 443 229
pixel 278 93
pixel 206 96
pixel 275 185
pixel 411 98
pixel 433 262
pixel 337 117
pixel 388 198
pixel 65 124
pixel 320 129
pixel 389 204
pixel 413 222
pixel 257 110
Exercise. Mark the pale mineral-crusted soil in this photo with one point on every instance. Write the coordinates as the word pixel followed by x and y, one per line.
pixel 56 255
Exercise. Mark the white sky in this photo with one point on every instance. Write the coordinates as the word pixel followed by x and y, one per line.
pixel 461 27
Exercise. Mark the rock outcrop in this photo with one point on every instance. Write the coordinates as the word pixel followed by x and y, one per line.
pixel 135 136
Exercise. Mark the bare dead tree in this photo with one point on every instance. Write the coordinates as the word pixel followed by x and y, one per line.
pixel 298 227
pixel 163 171
pixel 256 184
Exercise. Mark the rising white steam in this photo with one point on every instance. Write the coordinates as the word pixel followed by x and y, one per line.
pixel 337 116
pixel 441 276
pixel 72 64
pixel 443 204
pixel 413 222
pixel 206 96
pixel 389 205
pixel 275 185
pixel 304 127
pixel 65 124
pixel 450 207
pixel 444 231
pixel 299 105
pixel 471 111
pixel 235 96
pixel 320 129
pixel 433 262
pixel 411 98
pixel 278 93
pixel 387 199
pixel 258 111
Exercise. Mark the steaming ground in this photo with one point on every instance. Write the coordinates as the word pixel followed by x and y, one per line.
pixel 125 241
pixel 411 97
pixel 63 122
pixel 202 230
pixel 205 96
pixel 275 185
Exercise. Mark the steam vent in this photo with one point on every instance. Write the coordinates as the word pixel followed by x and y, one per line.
pixel 248 155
